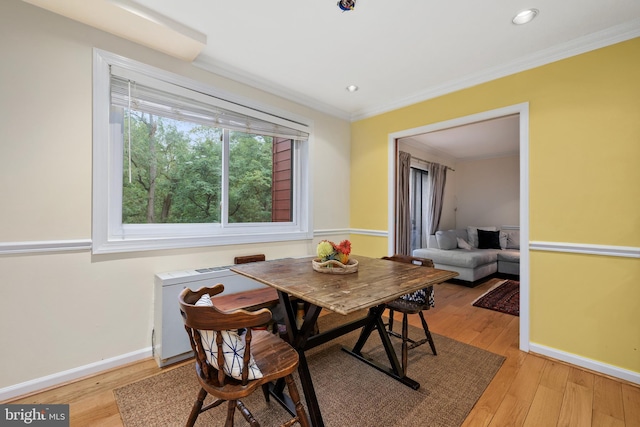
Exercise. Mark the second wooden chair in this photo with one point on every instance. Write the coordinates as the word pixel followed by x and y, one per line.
pixel 406 306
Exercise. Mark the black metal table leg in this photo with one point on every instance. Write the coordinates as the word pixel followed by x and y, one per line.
pixel 302 340
pixel 395 370
pixel 298 339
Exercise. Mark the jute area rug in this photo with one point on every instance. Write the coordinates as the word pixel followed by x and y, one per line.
pixel 503 297
pixel 350 393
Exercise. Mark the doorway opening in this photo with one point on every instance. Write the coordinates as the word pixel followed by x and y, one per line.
pixel 522 113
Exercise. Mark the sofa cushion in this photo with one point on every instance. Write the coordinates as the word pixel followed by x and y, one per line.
pixel 509 255
pixel 503 240
pixel 462 233
pixel 447 239
pixel 488 239
pixel 459 257
pixel 472 234
pixel 462 244
pixel 513 239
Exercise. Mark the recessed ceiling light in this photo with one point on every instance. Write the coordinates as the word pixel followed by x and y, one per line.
pixel 352 88
pixel 525 16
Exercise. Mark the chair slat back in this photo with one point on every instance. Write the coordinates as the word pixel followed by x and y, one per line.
pixel 210 318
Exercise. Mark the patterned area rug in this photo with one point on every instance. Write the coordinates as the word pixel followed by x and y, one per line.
pixel 350 392
pixel 504 297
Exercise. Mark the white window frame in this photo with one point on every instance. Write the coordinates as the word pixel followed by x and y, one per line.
pixel 109 235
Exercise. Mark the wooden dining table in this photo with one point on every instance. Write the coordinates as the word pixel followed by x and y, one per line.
pixel 376 282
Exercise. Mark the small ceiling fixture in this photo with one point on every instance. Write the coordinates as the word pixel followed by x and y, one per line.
pixel 525 16
pixel 346 5
pixel 352 88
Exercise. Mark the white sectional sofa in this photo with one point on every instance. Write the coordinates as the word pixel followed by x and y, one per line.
pixel 474 252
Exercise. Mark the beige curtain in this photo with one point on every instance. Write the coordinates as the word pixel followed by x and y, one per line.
pixel 403 214
pixel 437 179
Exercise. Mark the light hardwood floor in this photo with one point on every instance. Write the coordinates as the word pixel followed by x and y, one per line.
pixel 528 390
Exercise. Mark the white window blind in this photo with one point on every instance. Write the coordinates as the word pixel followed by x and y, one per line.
pixel 149 95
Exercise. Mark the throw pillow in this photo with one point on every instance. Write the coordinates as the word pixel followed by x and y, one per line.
pixel 204 301
pixel 473 234
pixel 513 239
pixel 488 239
pixel 503 240
pixel 421 297
pixel 446 239
pixel 462 244
pixel 233 345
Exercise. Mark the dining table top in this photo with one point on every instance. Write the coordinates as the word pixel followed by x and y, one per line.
pixel 376 281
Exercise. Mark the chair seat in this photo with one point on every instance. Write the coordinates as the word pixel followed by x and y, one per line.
pixel 405 306
pixel 274 357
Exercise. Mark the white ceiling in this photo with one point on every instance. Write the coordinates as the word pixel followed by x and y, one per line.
pixel 480 140
pixel 397 51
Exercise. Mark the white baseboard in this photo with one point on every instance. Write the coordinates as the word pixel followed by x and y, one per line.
pixel 72 374
pixel 583 362
pixel 97 367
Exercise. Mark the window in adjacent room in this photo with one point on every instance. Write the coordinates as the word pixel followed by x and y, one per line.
pixel 178 165
pixel 418 203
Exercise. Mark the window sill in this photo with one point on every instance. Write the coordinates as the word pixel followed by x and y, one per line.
pixel 116 245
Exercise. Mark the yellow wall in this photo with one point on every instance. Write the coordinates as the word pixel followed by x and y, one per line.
pixel 368 245
pixel 584 157
pixel 596 313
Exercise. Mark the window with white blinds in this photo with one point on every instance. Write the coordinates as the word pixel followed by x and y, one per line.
pixel 179 164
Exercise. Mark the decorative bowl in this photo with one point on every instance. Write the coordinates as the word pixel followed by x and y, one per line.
pixel 335 267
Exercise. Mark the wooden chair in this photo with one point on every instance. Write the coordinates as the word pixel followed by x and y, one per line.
pixel 275 358
pixel 410 307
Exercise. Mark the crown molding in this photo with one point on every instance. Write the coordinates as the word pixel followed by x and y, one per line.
pixel 561 51
pixel 558 52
